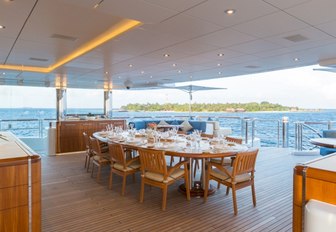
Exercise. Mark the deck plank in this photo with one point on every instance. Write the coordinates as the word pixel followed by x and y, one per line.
pixel 73 201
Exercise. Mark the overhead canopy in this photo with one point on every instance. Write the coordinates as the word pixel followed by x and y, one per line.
pixel 111 42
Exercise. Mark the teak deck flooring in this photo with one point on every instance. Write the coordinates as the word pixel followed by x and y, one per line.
pixel 73 201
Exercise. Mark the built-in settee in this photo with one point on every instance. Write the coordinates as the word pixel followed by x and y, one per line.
pixel 207 127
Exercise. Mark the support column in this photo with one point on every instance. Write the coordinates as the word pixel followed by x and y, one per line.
pixel 61 104
pixel 108 103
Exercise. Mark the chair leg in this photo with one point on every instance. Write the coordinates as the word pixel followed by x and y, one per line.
pixel 164 197
pixel 234 199
pixel 88 165
pixel 206 187
pixel 171 161
pixel 142 190
pixel 92 169
pixel 186 181
pixel 98 173
pixel 86 159
pixel 253 195
pixel 227 190
pixel 110 179
pixel 123 185
pixel 218 185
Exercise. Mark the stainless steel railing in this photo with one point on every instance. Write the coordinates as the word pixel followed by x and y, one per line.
pixel 307 130
pixel 26 127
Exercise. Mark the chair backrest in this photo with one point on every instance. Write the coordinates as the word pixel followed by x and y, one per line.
pixel 95 146
pixel 153 161
pixel 117 153
pixel 244 162
pixel 87 141
pixel 234 140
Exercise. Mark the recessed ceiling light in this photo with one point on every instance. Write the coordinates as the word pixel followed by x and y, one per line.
pixel 130 65
pixel 179 71
pixel 98 4
pixel 142 72
pixel 219 64
pixel 219 73
pixel 296 59
pixel 174 65
pixel 166 55
pixel 119 77
pixel 230 11
pixel 106 72
pixel 3 73
pixel 190 77
pixel 151 77
pixel 2 27
pixel 220 54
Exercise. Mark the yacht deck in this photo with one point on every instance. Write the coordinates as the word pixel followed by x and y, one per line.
pixel 73 201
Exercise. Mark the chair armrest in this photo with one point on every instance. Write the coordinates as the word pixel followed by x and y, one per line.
pixel 177 166
pixel 221 168
pixel 132 160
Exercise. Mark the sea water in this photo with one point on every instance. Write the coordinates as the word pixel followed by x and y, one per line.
pixel 266 125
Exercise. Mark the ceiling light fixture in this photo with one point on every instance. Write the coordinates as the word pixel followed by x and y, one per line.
pixel 230 11
pixel 219 64
pixel 2 27
pixel 219 73
pixel 221 54
pixel 111 33
pixel 142 72
pixel 151 77
pixel 179 71
pixel 98 4
pixel 296 59
pixel 130 65
pixel 174 65
pixel 166 55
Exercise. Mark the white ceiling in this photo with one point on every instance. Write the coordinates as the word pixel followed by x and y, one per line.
pixel 192 32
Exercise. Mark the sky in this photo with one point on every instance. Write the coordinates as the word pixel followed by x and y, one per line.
pixel 300 87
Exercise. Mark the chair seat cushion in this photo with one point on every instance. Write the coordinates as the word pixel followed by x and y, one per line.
pixel 239 178
pixel 159 177
pixel 131 167
pixel 102 159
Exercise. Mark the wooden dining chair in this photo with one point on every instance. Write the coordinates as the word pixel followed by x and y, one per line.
pixel 155 172
pixel 228 161
pixel 121 166
pixel 100 158
pixel 240 175
pixel 89 154
pixel 237 140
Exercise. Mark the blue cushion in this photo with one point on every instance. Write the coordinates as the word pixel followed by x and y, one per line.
pixel 329 134
pixel 326 151
pixel 139 125
pixel 198 125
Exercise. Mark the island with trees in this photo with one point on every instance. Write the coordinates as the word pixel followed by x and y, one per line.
pixel 210 107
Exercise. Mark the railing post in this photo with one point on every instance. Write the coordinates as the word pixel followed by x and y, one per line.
pixel 246 131
pixel 278 142
pixel 329 125
pixel 285 131
pixel 253 131
pixel 0 124
pixel 40 128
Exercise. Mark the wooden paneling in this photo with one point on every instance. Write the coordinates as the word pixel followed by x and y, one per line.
pixel 14 189
pixel 70 133
pixel 319 184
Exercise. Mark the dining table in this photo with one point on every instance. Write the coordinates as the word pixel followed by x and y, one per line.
pixel 178 145
pixel 324 142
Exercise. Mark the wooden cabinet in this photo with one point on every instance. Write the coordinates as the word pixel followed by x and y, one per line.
pixel 313 180
pixel 20 186
pixel 70 133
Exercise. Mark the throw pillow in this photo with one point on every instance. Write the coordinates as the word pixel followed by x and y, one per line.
pixel 186 126
pixel 163 123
